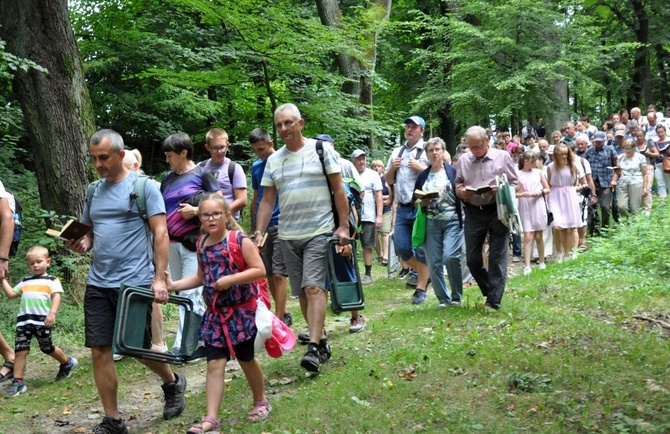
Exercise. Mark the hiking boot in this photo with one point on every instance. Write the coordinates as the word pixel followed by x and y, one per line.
pixel 303 337
pixel 287 319
pixel 357 324
pixel 66 370
pixel 413 279
pixel 110 425
pixel 174 397
pixel 15 389
pixel 419 296
pixel 312 358
pixel 367 280
pixel 325 353
pixel 403 273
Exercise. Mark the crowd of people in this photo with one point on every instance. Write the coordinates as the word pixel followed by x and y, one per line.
pixel 186 238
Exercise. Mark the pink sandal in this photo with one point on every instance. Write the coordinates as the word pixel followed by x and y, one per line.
pixel 198 429
pixel 260 411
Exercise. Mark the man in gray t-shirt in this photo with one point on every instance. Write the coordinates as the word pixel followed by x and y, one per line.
pixel 120 255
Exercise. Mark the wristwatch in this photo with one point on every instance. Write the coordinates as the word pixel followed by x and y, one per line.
pixel 258 233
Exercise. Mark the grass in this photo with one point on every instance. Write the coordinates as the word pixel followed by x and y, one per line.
pixel 565 354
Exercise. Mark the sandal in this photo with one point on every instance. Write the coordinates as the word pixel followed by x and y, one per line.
pixel 198 429
pixel 9 375
pixel 260 411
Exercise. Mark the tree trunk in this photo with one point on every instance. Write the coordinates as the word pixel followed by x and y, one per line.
pixel 56 106
pixel 663 59
pixel 381 11
pixel 349 66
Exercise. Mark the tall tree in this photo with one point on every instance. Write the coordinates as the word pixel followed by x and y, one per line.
pixel 56 106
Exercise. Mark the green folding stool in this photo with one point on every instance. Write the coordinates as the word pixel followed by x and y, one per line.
pixel 344 296
pixel 131 322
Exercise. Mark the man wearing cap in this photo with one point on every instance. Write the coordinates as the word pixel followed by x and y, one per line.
pixel 586 200
pixel 296 176
pixel 372 211
pixel 619 138
pixel 602 156
pixel 476 169
pixel 402 169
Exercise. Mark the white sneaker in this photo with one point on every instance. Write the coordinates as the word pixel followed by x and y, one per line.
pixel 542 266
pixel 573 255
pixel 526 271
pixel 357 324
pixel 117 357
pixel 559 258
pixel 159 348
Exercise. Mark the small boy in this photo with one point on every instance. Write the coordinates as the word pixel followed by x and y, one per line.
pixel 40 299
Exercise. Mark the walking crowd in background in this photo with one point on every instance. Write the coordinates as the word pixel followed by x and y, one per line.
pixel 437 214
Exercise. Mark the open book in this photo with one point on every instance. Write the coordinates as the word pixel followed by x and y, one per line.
pixel 421 194
pixel 479 190
pixel 73 230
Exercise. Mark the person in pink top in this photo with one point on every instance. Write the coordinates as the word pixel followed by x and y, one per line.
pixel 533 188
pixel 565 177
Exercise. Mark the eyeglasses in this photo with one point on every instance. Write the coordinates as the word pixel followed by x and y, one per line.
pixel 213 216
pixel 219 149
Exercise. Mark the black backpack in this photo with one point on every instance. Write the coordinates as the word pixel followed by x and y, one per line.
pixel 355 205
pixel 18 224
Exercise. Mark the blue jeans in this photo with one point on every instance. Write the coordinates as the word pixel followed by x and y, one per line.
pixel 402 234
pixel 516 245
pixel 443 248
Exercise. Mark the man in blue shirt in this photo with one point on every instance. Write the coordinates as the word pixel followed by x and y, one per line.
pixel 120 246
pixel 262 145
pixel 602 158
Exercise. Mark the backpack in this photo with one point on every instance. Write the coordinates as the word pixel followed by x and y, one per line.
pixel 231 170
pixel 18 224
pixel 349 188
pixel 403 148
pixel 139 196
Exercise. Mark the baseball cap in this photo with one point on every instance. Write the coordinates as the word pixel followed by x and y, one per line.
pixel 357 153
pixel 416 120
pixel 600 136
pixel 620 133
pixel 325 138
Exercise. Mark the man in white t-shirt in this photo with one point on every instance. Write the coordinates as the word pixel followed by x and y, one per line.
pixel 295 175
pixel 372 210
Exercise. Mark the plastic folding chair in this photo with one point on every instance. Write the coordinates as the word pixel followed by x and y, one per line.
pixel 133 307
pixel 344 296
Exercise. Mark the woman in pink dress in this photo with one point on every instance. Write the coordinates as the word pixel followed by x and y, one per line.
pixel 565 177
pixel 532 209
